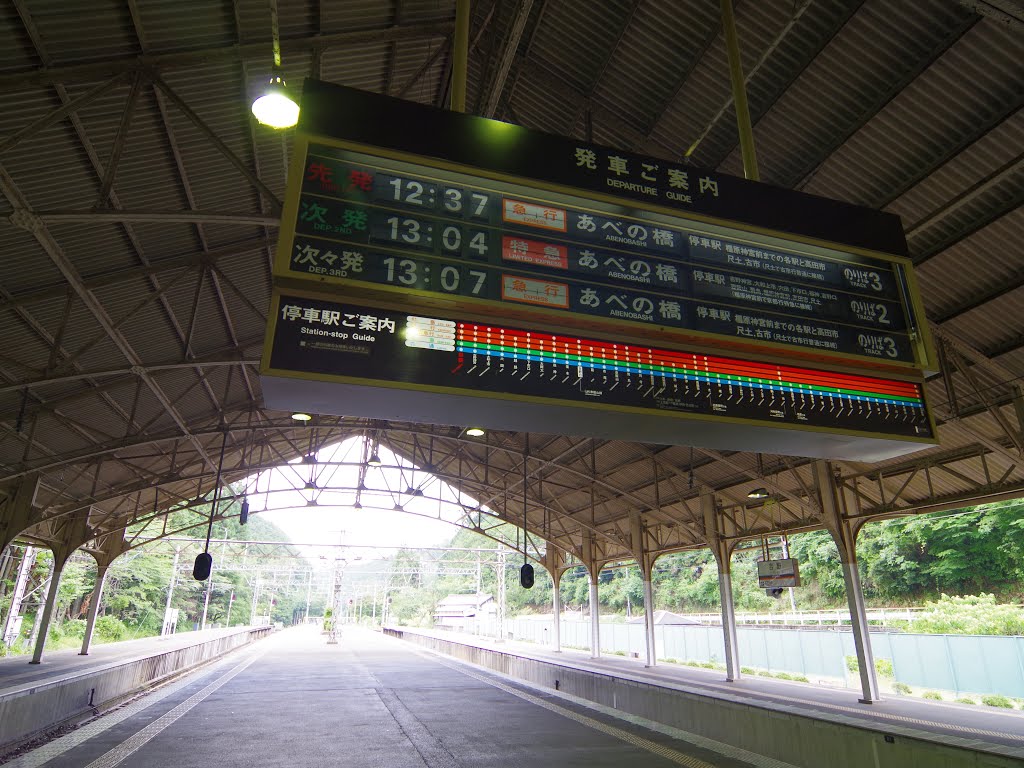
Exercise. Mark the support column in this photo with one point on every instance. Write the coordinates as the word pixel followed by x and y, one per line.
pixel 107 549
pixel 595 618
pixel 556 610
pixel 722 550
pixel 60 558
pixel 652 653
pixel 551 563
pixel 94 608
pixel 593 570
pixel 645 563
pixel 844 532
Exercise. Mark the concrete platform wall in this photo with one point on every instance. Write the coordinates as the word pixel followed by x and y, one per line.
pixel 782 733
pixel 37 707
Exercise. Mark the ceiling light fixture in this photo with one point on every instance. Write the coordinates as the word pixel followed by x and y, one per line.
pixel 301 417
pixel 758 493
pixel 374 460
pixel 475 432
pixel 275 106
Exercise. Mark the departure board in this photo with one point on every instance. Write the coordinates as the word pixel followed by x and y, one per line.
pixel 365 223
pixel 324 339
pixel 446 268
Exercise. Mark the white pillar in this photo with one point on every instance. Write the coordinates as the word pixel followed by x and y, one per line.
pixel 861 636
pixel 94 608
pixel 652 655
pixel 556 609
pixel 595 620
pixel 845 535
pixel 51 602
pixel 722 551
pixel 732 664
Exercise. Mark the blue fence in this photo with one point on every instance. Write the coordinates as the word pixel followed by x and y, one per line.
pixel 976 664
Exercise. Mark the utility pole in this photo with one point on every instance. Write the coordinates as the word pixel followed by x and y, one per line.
pixel 43 591
pixel 332 634
pixel 500 630
pixel 255 601
pixel 206 600
pixel 309 593
pixel 166 630
pixel 11 627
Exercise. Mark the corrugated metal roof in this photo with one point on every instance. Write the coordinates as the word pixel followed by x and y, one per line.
pixel 914 107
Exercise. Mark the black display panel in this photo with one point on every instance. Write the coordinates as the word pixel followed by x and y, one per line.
pixel 457 236
pixel 324 339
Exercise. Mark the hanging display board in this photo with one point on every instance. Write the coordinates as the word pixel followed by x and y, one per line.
pixel 389 198
pixel 327 355
pixel 444 268
pixel 773 574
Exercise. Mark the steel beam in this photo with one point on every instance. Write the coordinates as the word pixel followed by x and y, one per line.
pixel 48 75
pixel 508 53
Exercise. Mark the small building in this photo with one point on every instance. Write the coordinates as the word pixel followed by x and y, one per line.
pixel 463 612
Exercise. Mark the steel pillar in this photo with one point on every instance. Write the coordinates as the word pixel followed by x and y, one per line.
pixel 652 653
pixel 593 569
pixel 51 602
pixel 722 550
pixel 844 532
pixel 556 611
pixel 94 608
pixel 553 563
pixel 595 619
pixel 646 564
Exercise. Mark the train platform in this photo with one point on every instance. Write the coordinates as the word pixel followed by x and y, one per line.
pixel 375 700
pixel 368 701
pixel 978 729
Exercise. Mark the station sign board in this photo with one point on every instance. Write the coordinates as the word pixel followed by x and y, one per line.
pixel 341 356
pixel 486 214
pixel 772 574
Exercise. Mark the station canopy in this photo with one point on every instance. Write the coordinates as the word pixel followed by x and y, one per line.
pixel 140 204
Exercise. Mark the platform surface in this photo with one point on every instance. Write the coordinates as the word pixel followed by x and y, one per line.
pixel 292 700
pixel 945 722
